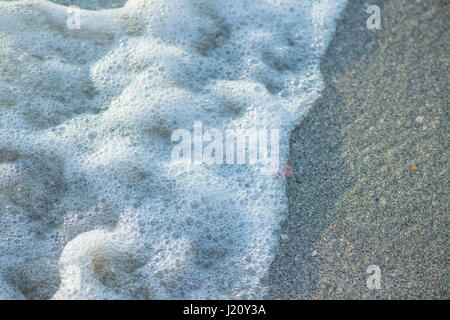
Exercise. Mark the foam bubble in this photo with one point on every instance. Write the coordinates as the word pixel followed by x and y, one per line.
pixel 90 204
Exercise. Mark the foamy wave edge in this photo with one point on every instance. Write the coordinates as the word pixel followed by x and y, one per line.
pixel 91 207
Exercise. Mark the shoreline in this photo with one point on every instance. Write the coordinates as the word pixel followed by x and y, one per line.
pixel 370 164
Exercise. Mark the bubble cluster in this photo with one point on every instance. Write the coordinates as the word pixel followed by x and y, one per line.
pixel 91 206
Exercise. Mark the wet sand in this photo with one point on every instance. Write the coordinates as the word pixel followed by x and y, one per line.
pixel 370 163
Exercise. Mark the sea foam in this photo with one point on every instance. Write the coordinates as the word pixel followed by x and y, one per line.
pixel 91 206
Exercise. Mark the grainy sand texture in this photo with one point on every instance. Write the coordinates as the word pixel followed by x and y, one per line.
pixel 370 163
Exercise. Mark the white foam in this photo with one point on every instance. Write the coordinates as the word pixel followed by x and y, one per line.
pixel 91 205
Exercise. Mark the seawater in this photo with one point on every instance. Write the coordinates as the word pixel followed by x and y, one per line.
pixel 91 205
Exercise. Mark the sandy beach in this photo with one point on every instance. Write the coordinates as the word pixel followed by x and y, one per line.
pixel 97 106
pixel 370 163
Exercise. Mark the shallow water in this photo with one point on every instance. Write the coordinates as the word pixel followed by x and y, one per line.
pixel 91 205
